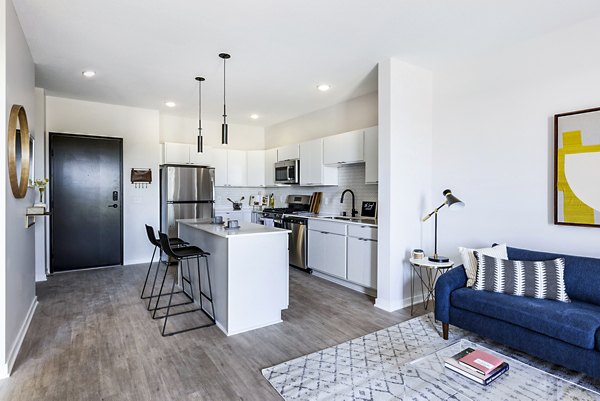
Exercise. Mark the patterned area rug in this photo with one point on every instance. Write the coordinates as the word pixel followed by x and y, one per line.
pixel 369 367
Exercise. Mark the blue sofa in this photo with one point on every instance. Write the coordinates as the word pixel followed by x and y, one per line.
pixel 566 334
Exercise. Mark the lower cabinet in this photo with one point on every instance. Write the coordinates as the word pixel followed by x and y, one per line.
pixel 327 253
pixel 344 251
pixel 362 261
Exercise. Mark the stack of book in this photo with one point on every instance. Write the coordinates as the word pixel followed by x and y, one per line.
pixel 477 365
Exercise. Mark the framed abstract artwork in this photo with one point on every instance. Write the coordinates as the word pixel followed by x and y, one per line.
pixel 577 168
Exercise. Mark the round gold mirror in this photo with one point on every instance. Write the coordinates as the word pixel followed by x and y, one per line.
pixel 18 151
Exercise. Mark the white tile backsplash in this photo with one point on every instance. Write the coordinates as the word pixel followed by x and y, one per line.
pixel 350 177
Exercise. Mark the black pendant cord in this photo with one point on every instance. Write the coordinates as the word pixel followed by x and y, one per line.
pixel 224 128
pixel 200 139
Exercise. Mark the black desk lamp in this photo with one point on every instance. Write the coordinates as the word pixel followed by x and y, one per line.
pixel 453 203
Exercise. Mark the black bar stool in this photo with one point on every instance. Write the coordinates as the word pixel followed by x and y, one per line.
pixel 176 242
pixel 187 253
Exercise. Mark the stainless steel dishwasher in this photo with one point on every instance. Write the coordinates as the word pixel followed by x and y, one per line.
pixel 298 241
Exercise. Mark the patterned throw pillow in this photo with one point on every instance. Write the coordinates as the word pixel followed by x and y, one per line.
pixel 545 280
pixel 470 261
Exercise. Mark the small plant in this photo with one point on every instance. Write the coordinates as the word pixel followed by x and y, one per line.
pixel 40 184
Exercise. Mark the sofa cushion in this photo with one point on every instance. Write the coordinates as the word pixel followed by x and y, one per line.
pixel 543 279
pixel 582 275
pixel 575 322
pixel 470 261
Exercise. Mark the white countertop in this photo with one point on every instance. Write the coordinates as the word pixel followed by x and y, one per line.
pixel 361 221
pixel 220 230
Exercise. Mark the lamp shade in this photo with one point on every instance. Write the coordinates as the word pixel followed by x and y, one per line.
pixel 452 201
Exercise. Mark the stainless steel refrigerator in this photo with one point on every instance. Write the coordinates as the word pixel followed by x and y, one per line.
pixel 185 193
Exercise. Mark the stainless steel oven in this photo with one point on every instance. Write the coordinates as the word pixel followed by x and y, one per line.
pixel 287 172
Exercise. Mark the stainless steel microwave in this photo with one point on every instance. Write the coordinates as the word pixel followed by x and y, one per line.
pixel 287 172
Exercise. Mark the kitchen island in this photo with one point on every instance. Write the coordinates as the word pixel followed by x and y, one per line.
pixel 249 272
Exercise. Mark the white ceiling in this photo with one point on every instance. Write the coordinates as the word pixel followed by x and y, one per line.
pixel 148 51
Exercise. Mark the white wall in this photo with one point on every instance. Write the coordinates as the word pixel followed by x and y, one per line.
pixel 360 112
pixel 18 264
pixel 139 130
pixel 405 134
pixel 493 141
pixel 41 224
pixel 185 130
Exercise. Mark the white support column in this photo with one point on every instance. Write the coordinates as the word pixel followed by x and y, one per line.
pixel 405 165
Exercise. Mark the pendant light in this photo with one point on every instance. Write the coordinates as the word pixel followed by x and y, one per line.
pixel 200 140
pixel 224 132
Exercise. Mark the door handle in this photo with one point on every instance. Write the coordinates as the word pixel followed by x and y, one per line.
pixel 114 205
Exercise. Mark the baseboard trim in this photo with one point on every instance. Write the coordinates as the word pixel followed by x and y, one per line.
pixel 344 283
pixel 14 352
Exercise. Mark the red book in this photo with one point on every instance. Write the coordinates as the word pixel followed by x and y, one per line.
pixel 480 361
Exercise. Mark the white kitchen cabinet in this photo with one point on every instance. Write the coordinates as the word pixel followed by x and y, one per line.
pixel 344 148
pixel 219 162
pixel 176 153
pixel 312 170
pixel 362 261
pixel 200 159
pixel 256 168
pixel 185 153
pixel 288 152
pixel 327 253
pixel 237 166
pixel 270 160
pixel 371 155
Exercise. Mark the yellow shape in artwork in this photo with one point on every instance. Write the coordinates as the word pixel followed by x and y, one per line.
pixel 574 210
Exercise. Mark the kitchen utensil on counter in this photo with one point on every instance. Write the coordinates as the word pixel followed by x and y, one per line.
pixel 217 220
pixel 233 224
pixel 237 205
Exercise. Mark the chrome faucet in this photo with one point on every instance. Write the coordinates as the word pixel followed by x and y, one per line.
pixel 354 211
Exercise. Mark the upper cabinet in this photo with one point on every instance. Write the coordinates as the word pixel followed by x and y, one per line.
pixel 288 152
pixel 344 148
pixel 256 168
pixel 230 167
pixel 371 155
pixel 237 167
pixel 312 170
pixel 319 159
pixel 219 162
pixel 185 153
pixel 175 153
pixel 270 160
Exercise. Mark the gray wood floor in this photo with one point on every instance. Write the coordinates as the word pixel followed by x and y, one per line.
pixel 91 338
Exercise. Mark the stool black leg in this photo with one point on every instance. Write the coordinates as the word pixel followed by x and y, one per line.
pixel 199 282
pixel 168 306
pixel 189 276
pixel 212 304
pixel 148 274
pixel 160 293
pixel 154 282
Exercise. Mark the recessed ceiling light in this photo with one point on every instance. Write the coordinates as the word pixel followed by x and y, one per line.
pixel 88 74
pixel 170 104
pixel 323 87
pixel 254 116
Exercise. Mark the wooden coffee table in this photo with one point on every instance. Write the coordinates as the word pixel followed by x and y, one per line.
pixel 427 378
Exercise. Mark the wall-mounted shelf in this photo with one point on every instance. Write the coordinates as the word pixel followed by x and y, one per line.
pixel 31 215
